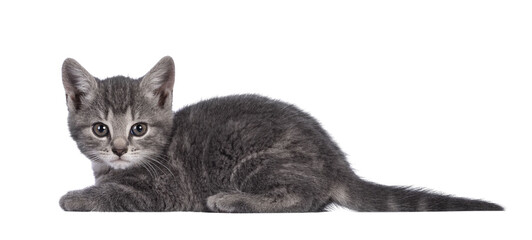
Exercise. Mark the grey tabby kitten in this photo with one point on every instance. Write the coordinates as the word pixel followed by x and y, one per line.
pixel 243 153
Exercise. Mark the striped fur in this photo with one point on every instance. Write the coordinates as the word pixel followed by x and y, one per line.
pixel 242 153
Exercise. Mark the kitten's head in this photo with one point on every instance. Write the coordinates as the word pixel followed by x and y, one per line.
pixel 120 122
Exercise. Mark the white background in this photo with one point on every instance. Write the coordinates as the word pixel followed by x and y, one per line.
pixel 424 93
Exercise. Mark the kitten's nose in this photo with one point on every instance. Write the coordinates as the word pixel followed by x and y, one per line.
pixel 119 151
pixel 119 146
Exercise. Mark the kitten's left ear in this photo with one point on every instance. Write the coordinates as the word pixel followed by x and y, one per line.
pixel 158 83
pixel 80 85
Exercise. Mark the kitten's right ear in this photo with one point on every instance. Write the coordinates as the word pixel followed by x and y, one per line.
pixel 158 83
pixel 79 84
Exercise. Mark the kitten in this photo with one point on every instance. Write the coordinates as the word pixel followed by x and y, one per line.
pixel 243 153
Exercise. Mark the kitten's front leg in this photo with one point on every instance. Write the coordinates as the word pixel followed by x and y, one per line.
pixel 79 200
pixel 106 198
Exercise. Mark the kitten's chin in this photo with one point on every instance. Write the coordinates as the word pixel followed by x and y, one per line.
pixel 121 163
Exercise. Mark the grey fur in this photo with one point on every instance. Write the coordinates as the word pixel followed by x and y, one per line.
pixel 243 153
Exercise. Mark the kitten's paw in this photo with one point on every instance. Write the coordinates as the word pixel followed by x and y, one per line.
pixel 226 202
pixel 75 201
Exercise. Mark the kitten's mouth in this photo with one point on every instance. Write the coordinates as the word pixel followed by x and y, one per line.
pixel 119 160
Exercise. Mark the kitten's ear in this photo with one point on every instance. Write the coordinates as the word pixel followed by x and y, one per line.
pixel 158 83
pixel 79 84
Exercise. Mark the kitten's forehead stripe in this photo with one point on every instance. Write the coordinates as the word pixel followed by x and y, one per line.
pixel 102 114
pixel 132 113
pixel 109 114
pixel 118 93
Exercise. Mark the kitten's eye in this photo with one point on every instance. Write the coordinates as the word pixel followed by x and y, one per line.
pixel 100 130
pixel 139 129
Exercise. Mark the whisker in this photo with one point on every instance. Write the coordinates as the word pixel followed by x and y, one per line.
pixel 153 169
pixel 94 157
pixel 155 165
pixel 156 161
pixel 148 170
pixel 163 165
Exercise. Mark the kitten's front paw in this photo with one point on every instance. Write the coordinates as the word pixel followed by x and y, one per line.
pixel 75 201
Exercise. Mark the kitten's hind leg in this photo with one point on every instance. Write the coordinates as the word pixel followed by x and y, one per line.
pixel 288 188
pixel 278 200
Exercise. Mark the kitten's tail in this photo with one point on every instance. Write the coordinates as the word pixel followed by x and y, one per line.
pixel 366 196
